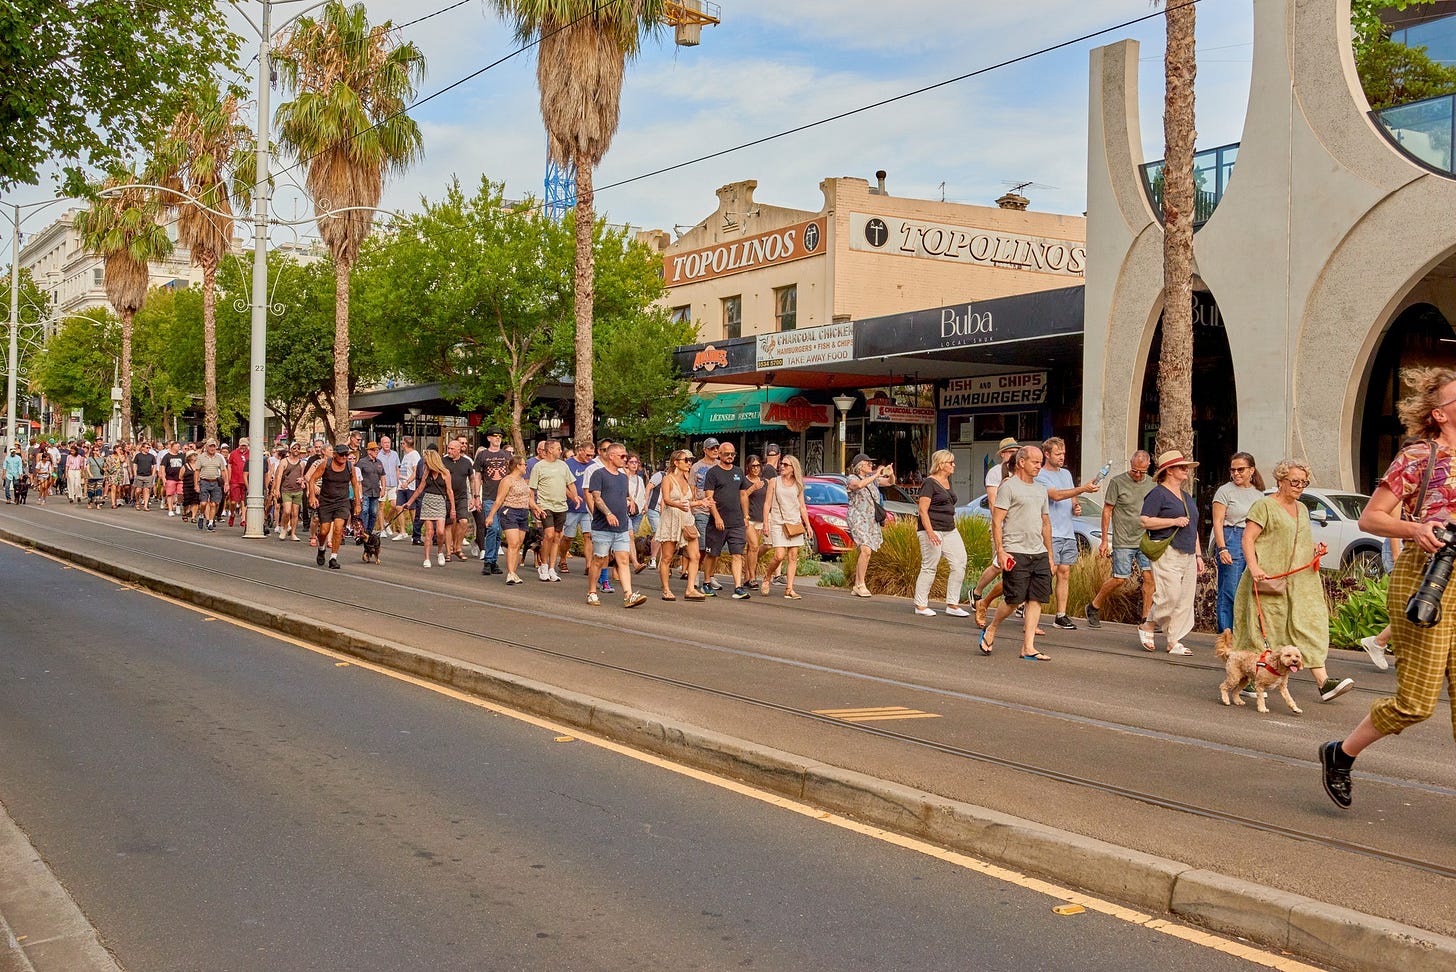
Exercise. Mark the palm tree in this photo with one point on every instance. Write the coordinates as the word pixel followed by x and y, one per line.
pixel 347 125
pixel 122 229
pixel 204 147
pixel 1175 364
pixel 583 53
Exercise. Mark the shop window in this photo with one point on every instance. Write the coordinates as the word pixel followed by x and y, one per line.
pixel 786 307
pixel 732 316
pixel 682 314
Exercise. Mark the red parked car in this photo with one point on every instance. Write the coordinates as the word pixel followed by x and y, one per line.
pixel 828 504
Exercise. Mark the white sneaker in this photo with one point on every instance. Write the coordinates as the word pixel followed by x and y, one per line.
pixel 482 555
pixel 542 572
pixel 385 534
pixel 426 563
pixel 554 576
pixel 925 612
pixel 441 559
pixel 956 612
pixel 171 512
pixel 1376 653
pixel 400 536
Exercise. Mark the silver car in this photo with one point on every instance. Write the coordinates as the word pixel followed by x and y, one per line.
pixel 1089 529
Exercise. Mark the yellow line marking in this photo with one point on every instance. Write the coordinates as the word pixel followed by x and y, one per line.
pixel 1119 912
pixel 341 664
pixel 878 714
pixel 886 718
pixel 843 712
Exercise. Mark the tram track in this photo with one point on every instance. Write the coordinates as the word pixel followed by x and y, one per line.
pixel 864 729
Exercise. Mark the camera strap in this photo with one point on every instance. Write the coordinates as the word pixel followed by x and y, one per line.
pixel 1425 483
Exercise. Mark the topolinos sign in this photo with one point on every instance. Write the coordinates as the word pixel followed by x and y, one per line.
pixel 764 250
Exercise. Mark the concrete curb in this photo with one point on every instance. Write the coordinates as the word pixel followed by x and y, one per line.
pixel 41 927
pixel 1338 937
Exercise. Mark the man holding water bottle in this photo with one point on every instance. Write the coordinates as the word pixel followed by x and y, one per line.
pixel 1062 492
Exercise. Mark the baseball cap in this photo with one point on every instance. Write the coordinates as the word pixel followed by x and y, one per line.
pixel 341 448
pixel 859 458
pixel 772 449
pixel 710 443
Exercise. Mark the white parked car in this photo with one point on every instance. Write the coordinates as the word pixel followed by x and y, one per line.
pixel 1088 528
pixel 1334 521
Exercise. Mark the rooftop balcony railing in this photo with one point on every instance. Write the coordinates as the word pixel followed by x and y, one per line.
pixel 1211 171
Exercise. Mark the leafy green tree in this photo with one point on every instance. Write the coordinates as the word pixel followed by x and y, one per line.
pixel 31 310
pixel 639 388
pixel 347 125
pixel 75 367
pixel 82 80
pixel 1365 24
pixel 475 294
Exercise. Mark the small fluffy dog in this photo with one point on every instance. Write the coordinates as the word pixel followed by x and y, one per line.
pixel 370 542
pixel 1268 669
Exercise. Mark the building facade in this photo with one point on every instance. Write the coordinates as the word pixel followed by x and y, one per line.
pixel 1328 263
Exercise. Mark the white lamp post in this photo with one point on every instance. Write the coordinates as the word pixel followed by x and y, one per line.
pixel 844 403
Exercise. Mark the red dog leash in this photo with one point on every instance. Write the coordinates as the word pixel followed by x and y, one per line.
pixel 1258 605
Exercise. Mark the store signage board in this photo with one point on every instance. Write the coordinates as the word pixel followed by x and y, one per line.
pixel 797 414
pixel 902 414
pixel 750 253
pixel 966 244
pixel 825 344
pixel 734 356
pixel 1000 320
pixel 995 391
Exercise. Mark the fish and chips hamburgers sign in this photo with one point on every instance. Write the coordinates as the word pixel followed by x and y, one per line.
pixel 764 250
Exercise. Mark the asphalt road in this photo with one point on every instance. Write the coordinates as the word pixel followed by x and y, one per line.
pixel 218 800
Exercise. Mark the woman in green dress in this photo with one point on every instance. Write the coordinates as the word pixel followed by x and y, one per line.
pixel 1277 538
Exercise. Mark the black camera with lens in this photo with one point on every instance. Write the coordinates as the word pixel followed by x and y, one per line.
pixel 1424 607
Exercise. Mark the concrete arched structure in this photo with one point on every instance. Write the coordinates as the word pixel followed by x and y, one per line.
pixel 1322 235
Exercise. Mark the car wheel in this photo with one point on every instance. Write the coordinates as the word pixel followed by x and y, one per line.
pixel 1364 561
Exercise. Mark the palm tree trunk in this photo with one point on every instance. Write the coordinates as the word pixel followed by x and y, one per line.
pixel 1175 364
pixel 585 272
pixel 341 346
pixel 209 351
pixel 124 433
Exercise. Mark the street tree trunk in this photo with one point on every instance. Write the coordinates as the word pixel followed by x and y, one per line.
pixel 583 429
pixel 342 269
pixel 124 433
pixel 1175 364
pixel 209 349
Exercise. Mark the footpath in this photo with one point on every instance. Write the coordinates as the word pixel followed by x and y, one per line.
pixel 1108 769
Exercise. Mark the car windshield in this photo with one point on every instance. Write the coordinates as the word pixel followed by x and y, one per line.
pixel 1349 505
pixel 826 494
pixel 895 494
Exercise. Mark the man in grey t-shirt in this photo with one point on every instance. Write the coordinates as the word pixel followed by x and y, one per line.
pixel 1122 530
pixel 1021 532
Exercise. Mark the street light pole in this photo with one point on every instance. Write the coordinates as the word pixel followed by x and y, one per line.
pixel 258 352
pixel 844 403
pixel 12 361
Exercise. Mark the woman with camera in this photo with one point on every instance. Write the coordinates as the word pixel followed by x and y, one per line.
pixel 1288 610
pixel 1413 501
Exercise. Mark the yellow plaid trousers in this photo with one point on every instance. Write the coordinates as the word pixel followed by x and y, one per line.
pixel 1424 654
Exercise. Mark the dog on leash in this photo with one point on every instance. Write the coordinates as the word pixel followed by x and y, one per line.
pixel 1268 669
pixel 370 542
pixel 21 488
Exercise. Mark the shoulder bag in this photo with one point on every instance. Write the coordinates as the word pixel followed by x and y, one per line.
pixel 1153 549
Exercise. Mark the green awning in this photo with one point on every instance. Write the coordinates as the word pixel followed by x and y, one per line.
pixel 732 411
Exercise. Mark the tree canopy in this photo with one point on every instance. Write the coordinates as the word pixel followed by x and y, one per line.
pixel 81 80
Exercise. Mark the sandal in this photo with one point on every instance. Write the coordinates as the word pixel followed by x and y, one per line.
pixel 668 596
pixel 1179 649
pixel 986 644
pixel 695 596
pixel 792 596
pixel 1145 637
pixel 763 588
pixel 863 592
pixel 1038 656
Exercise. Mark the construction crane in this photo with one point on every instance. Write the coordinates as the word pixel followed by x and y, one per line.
pixel 687 18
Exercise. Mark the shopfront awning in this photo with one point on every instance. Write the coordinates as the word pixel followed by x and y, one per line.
pixel 732 411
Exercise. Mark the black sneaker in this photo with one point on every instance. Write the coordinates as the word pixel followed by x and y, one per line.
pixel 741 594
pixel 1063 622
pixel 1094 620
pixel 1336 780
pixel 201 524
pixel 334 563
pixel 322 553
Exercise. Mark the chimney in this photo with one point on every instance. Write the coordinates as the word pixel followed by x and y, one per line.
pixel 880 182
pixel 1014 200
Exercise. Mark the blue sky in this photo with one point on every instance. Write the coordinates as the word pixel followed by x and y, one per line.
pixel 772 65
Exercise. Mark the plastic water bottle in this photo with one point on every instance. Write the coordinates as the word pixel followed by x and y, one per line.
pixel 1102 473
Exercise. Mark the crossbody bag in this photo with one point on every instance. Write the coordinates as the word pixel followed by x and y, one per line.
pixel 1153 549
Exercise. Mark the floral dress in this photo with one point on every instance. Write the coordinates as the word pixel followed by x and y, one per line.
pixel 862 526
pixel 114 470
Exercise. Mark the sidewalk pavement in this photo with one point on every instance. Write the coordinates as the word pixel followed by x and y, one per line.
pixel 1140 775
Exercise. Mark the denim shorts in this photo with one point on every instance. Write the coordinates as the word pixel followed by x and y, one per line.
pixel 613 541
pixel 1064 551
pixel 1122 560
pixel 577 521
pixel 210 491
pixel 511 518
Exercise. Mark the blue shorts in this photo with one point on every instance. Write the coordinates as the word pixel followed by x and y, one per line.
pixel 1122 560
pixel 613 541
pixel 577 522
pixel 1064 551
pixel 210 491
pixel 511 518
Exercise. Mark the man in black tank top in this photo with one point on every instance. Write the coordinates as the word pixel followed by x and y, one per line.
pixel 328 486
